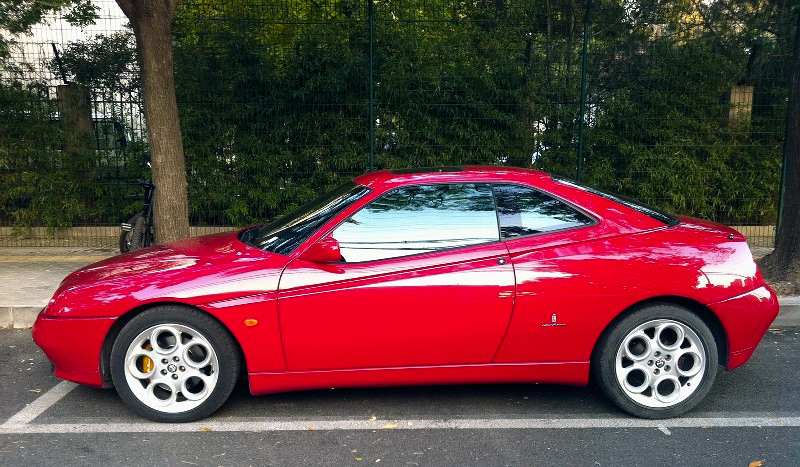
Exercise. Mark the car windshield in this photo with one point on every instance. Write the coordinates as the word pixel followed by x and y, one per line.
pixel 286 233
pixel 656 214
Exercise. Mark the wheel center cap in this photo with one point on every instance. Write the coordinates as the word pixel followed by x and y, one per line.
pixel 660 363
pixel 172 368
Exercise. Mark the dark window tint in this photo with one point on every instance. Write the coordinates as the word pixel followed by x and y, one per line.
pixel 419 219
pixel 286 233
pixel 660 216
pixel 525 211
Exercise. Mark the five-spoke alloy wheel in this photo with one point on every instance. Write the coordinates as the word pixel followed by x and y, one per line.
pixel 658 362
pixel 174 364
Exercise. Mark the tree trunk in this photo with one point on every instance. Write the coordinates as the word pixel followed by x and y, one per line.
pixel 783 264
pixel 75 111
pixel 151 22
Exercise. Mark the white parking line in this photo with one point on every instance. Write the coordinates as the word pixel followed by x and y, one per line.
pixel 266 425
pixel 44 402
pixel 20 423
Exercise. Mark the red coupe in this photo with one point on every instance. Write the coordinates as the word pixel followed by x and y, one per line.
pixel 410 277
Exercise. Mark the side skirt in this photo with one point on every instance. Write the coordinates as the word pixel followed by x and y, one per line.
pixel 572 373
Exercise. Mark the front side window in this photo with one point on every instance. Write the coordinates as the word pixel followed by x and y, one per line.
pixel 419 219
pixel 524 211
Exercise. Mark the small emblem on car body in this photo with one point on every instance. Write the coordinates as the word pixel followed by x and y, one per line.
pixel 553 322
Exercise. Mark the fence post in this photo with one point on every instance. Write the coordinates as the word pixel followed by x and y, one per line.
pixel 371 84
pixel 582 121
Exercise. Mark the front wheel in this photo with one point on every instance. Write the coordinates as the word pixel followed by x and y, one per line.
pixel 134 235
pixel 658 362
pixel 174 364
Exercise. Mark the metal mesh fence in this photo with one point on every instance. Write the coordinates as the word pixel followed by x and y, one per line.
pixel 680 106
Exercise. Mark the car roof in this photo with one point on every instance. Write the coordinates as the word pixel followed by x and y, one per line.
pixel 470 173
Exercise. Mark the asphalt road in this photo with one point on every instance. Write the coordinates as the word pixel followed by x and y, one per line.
pixel 751 415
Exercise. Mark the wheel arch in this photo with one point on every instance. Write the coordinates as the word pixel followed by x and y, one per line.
pixel 119 324
pixel 703 312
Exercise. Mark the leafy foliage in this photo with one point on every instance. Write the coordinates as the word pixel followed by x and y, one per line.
pixel 275 99
pixel 17 16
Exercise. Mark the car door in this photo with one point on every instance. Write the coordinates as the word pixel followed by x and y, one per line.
pixel 554 247
pixel 424 280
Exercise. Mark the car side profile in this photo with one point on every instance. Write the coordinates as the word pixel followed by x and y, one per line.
pixel 414 277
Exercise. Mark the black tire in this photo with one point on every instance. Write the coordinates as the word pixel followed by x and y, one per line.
pixel 657 362
pixel 135 239
pixel 193 364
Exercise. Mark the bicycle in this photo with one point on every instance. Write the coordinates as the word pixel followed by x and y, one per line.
pixel 137 233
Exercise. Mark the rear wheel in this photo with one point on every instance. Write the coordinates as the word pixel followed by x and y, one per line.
pixel 658 362
pixel 174 364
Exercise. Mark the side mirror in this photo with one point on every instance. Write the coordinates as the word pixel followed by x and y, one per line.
pixel 325 250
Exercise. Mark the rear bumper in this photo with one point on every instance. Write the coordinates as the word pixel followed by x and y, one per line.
pixel 746 318
pixel 73 346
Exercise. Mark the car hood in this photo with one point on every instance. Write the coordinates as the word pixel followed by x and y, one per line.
pixel 196 270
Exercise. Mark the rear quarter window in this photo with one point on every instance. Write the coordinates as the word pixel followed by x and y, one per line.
pixel 525 211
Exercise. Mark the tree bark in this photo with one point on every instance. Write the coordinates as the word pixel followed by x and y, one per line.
pixel 151 23
pixel 783 264
pixel 76 121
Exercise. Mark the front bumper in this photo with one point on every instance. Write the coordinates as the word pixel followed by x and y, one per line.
pixel 73 345
pixel 746 318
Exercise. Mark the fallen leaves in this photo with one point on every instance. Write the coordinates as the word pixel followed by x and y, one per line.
pixel 757 463
pixel 388 426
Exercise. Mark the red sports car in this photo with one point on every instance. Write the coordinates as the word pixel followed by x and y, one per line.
pixel 410 277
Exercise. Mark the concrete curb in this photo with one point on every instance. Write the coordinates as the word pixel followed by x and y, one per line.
pixel 18 317
pixel 790 312
pixel 23 316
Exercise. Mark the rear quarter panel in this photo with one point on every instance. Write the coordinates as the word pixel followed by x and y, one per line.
pixel 569 291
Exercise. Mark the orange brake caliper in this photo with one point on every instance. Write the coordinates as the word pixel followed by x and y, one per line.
pixel 147 362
